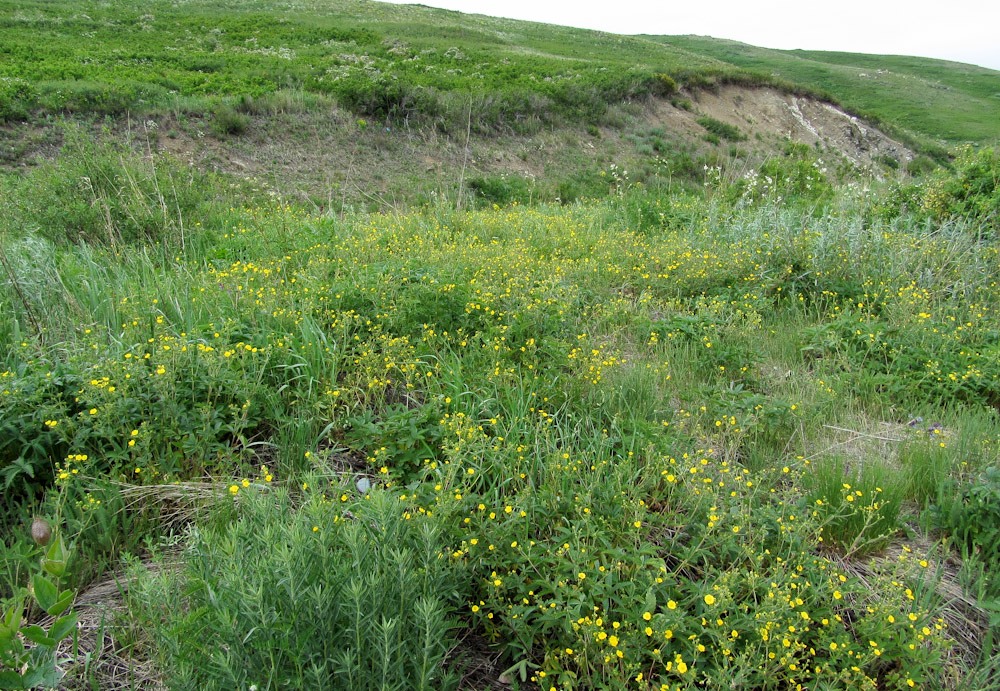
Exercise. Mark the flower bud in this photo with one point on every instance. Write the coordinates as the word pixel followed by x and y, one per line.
pixel 41 533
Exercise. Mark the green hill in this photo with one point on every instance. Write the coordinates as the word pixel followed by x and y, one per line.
pixel 401 63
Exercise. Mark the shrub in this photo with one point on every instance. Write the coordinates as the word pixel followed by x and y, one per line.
pixel 17 98
pixel 664 85
pixel 722 130
pixel 331 593
pixel 503 189
pixel 921 165
pixel 103 194
pixel 970 191
pixel 227 120
pixel 82 96
pixel 970 514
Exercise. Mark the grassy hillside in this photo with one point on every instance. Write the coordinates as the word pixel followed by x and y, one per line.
pixel 949 101
pixel 594 405
pixel 397 63
pixel 377 59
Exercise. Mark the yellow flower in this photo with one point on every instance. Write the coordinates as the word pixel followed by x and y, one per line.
pixel 233 489
pixel 710 600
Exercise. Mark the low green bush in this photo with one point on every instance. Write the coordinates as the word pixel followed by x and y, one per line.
pixel 17 98
pixel 722 130
pixel 970 191
pixel 328 589
pixel 970 514
pixel 504 189
pixel 229 121
pixel 103 194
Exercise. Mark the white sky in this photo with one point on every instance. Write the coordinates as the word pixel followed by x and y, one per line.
pixel 960 30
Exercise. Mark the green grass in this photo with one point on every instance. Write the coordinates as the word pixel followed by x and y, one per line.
pixel 697 422
pixel 569 436
pixel 403 63
pixel 381 60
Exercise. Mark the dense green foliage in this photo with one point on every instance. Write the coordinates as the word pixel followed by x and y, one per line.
pixel 403 64
pixel 598 436
pixel 307 594
pixel 388 62
pixel 694 417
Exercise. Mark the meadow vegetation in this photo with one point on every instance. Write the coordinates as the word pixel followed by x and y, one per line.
pixel 708 421
pixel 743 437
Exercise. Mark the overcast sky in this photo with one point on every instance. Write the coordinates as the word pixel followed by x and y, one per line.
pixel 961 30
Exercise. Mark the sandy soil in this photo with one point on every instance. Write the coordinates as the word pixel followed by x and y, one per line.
pixel 778 116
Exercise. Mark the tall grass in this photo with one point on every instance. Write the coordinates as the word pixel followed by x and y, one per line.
pixel 545 427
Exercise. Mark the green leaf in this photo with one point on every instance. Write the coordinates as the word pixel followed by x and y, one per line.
pixel 42 670
pixel 650 600
pixel 10 680
pixel 37 635
pixel 55 558
pixel 63 627
pixel 45 591
pixel 61 605
pixel 12 617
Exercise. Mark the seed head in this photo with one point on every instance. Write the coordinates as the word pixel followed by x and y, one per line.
pixel 41 532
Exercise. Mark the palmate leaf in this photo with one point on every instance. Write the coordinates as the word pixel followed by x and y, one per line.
pixel 16 469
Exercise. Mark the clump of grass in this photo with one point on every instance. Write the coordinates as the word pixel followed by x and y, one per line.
pixel 859 508
pixel 100 193
pixel 230 121
pixel 721 130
